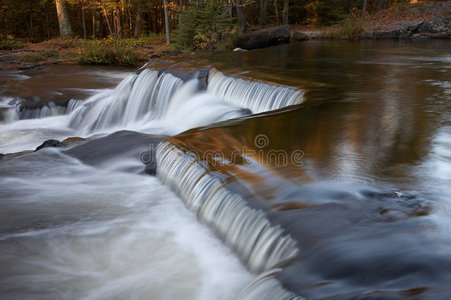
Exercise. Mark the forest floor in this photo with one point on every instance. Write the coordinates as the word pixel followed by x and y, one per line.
pixel 67 51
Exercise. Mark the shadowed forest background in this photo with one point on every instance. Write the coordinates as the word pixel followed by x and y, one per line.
pixel 38 19
pixel 124 32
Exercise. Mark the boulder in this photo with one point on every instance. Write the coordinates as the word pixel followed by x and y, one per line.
pixel 298 36
pixel 436 25
pixel 427 36
pixel 397 30
pixel 120 146
pixel 49 144
pixel 265 38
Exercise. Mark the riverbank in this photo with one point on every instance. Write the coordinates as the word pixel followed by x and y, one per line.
pixel 408 21
pixel 421 20
pixel 69 51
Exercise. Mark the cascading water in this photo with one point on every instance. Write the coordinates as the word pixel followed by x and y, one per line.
pixel 246 230
pixel 261 246
pixel 347 197
pixel 16 111
pixel 158 99
pixel 159 102
pixel 256 96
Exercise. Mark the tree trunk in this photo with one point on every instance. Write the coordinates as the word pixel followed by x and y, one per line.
pixel 130 26
pixel 63 19
pixel 139 21
pixel 277 12
pixel 47 20
pixel 118 24
pixel 93 23
pixel 31 18
pixel 83 19
pixel 180 12
pixel 286 5
pixel 107 21
pixel 241 16
pixel 264 9
pixel 365 3
pixel 380 4
pixel 114 25
pixel 166 22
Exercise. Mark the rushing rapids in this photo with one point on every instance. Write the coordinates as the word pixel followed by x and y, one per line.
pixel 151 97
pixel 345 196
pixel 161 102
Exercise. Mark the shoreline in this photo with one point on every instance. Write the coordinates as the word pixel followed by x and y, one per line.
pixel 423 21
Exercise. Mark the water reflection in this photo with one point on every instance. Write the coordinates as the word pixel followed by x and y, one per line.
pixel 370 203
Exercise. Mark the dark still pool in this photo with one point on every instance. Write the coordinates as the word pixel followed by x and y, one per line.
pixel 324 167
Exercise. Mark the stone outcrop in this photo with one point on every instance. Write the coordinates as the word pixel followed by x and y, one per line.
pixel 49 144
pixel 437 27
pixel 298 36
pixel 264 38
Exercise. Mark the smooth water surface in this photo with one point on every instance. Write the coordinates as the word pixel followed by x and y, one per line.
pixel 367 195
pixel 360 180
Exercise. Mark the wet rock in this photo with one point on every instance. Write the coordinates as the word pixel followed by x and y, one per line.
pixel 121 145
pixel 385 35
pixel 182 74
pixel 30 109
pixel 72 141
pixel 30 104
pixel 49 144
pixel 189 72
pixel 427 36
pixel 316 34
pixel 436 25
pixel 265 38
pixel 61 102
pixel 2 116
pixel 246 111
pixel 202 76
pixel 10 156
pixel 16 101
pixel 409 29
pixel 435 28
pixel 298 36
pixel 398 30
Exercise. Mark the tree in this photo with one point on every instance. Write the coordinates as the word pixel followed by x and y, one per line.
pixel 264 9
pixel 166 22
pixel 139 20
pixel 241 16
pixel 63 19
pixel 286 5
pixel 365 3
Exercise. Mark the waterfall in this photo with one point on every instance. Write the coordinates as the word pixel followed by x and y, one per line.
pixel 178 105
pixel 148 96
pixel 256 96
pixel 165 103
pixel 140 97
pixel 267 287
pixel 38 110
pixel 260 245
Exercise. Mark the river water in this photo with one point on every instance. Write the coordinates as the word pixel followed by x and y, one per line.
pixel 355 179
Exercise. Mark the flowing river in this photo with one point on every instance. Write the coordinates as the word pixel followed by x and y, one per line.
pixel 316 170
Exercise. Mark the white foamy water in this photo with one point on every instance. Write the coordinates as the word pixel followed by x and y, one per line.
pixel 72 231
